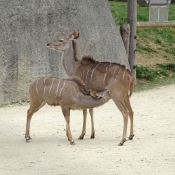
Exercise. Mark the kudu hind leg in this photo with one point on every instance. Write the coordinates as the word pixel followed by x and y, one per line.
pixel 91 111
pixel 29 116
pixel 121 106
pixel 84 124
pixel 128 105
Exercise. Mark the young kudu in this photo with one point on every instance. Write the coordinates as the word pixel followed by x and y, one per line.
pixel 98 76
pixel 68 93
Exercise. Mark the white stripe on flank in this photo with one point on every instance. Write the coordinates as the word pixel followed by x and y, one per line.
pixel 44 85
pixel 88 72
pixel 62 87
pixel 113 73
pixel 106 73
pixel 94 70
pixel 105 93
pixel 57 88
pixel 51 85
pixel 124 75
pixel 83 76
pixel 117 75
pixel 37 86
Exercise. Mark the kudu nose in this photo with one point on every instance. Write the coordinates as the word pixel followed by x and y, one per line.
pixel 48 44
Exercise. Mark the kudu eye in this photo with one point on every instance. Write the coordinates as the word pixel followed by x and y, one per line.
pixel 61 40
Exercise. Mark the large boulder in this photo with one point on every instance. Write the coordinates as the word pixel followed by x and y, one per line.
pixel 26 28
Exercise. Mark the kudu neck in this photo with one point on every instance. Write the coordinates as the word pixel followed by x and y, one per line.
pixel 69 61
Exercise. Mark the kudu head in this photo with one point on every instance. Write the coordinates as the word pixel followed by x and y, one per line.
pixel 62 44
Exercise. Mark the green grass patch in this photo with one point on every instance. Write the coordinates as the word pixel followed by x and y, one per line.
pixel 158 41
pixel 169 67
pixel 148 78
pixel 142 85
pixel 161 71
pixel 146 48
pixel 119 12
pixel 145 73
pixel 170 50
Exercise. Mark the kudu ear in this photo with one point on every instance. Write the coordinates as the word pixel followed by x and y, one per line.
pixel 74 35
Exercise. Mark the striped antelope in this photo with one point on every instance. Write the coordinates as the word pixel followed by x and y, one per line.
pixel 98 76
pixel 67 93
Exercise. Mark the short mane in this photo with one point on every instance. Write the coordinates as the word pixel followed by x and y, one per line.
pixel 87 59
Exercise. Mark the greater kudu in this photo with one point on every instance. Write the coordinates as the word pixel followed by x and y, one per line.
pixel 99 76
pixel 68 93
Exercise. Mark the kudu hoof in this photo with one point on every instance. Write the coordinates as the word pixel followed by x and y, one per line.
pixel 92 136
pixel 121 143
pixel 131 137
pixel 72 143
pixel 28 139
pixel 81 138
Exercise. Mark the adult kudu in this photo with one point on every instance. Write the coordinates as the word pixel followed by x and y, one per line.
pixel 67 93
pixel 116 78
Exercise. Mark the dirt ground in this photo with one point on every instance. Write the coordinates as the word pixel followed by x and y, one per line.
pixel 152 151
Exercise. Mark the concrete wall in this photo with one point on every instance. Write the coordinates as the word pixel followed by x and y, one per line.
pixel 26 26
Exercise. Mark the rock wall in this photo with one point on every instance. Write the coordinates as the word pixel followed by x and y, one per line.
pixel 28 25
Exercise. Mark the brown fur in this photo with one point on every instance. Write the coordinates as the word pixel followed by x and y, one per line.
pixel 80 84
pixel 82 88
pixel 87 59
pixel 67 93
pixel 98 76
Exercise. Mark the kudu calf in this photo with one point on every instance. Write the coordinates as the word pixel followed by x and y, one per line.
pixel 99 76
pixel 68 93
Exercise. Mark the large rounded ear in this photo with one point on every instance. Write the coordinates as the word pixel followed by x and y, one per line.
pixel 74 35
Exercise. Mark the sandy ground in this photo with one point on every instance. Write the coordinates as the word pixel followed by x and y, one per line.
pixel 152 151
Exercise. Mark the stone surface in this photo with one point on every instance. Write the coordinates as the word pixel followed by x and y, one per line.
pixel 26 28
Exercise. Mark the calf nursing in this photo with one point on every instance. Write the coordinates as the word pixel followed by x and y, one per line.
pixel 98 76
pixel 67 93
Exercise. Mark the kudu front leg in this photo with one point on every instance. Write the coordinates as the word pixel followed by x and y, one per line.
pixel 33 108
pixel 66 113
pixel 91 111
pixel 84 124
pixel 121 106
pixel 131 113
